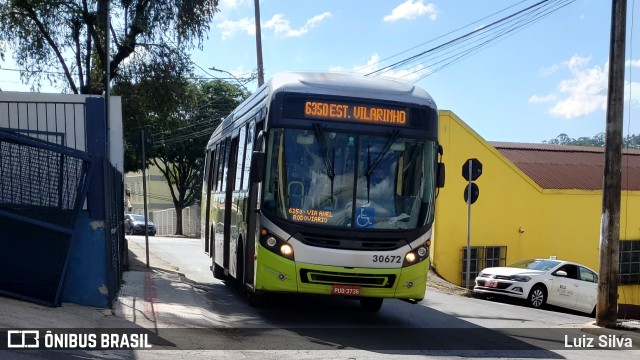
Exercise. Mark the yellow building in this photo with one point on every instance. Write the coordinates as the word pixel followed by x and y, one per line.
pixel 535 201
pixel 158 193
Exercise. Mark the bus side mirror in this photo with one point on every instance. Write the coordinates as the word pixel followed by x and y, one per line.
pixel 257 167
pixel 440 175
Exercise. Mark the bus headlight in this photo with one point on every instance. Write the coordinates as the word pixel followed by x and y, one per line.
pixel 410 257
pixel 286 250
pixel 417 255
pixel 275 244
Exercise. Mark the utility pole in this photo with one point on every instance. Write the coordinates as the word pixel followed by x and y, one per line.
pixel 143 143
pixel 259 43
pixel 607 307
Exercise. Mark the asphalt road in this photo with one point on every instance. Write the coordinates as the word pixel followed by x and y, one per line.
pixel 440 323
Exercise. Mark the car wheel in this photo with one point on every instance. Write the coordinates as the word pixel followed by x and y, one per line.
pixel 537 297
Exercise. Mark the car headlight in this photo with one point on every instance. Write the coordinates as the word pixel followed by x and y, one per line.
pixel 520 278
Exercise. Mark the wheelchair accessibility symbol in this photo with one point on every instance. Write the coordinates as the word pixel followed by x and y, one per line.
pixel 365 217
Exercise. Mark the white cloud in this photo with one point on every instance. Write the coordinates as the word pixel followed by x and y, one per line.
pixel 540 99
pixel 550 70
pixel 232 4
pixel 632 91
pixel 231 28
pixel 411 9
pixel 278 23
pixel 632 63
pixel 584 93
pixel 281 26
pixel 407 75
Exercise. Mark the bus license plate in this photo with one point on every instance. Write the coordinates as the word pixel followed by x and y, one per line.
pixel 346 290
pixel 491 283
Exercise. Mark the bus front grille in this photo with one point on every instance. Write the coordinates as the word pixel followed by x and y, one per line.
pixel 329 277
pixel 366 244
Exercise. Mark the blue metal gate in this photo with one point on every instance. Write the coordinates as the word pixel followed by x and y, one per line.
pixel 43 185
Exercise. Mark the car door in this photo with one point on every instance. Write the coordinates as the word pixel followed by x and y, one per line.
pixel 588 291
pixel 564 289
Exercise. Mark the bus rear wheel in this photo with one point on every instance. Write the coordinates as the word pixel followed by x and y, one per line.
pixel 218 272
pixel 371 304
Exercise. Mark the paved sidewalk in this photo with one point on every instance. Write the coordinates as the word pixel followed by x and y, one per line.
pixel 159 297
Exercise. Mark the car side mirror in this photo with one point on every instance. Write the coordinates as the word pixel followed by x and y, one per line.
pixel 561 273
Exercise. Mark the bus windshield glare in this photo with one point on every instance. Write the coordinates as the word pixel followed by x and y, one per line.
pixel 349 180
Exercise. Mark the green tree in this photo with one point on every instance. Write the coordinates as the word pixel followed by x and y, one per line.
pixel 629 141
pixel 632 141
pixel 564 139
pixel 63 41
pixel 180 114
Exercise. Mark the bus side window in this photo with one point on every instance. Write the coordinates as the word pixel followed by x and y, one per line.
pixel 215 169
pixel 242 139
pixel 225 164
pixel 249 151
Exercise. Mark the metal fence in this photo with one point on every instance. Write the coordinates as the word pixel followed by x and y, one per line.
pixel 42 187
pixel 166 221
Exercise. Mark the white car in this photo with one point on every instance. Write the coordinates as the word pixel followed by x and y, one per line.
pixel 543 281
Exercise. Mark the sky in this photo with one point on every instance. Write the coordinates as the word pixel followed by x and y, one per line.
pixel 526 85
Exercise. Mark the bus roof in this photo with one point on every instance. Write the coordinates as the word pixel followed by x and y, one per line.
pixel 349 85
pixel 327 83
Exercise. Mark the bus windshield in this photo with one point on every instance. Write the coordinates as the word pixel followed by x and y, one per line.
pixel 349 180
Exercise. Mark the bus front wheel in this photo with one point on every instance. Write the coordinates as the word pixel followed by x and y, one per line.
pixel 371 304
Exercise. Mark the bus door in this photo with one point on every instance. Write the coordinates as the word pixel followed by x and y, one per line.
pixel 228 201
pixel 208 235
pixel 250 205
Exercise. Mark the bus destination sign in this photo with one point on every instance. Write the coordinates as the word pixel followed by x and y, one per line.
pixel 372 114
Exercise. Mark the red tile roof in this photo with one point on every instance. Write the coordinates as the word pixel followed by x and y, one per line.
pixel 569 167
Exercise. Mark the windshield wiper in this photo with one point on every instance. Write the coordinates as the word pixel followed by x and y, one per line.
pixel 372 166
pixel 324 151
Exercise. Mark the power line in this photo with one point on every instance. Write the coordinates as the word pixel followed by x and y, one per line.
pixel 439 37
pixel 492 40
pixel 474 41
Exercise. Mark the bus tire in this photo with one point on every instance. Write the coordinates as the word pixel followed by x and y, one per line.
pixel 255 300
pixel 218 272
pixel 371 304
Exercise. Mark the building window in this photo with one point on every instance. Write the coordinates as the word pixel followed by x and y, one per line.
pixel 482 257
pixel 629 262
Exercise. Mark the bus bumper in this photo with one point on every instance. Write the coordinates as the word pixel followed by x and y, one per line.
pixel 278 274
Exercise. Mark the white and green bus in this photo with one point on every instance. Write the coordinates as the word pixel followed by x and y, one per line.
pixel 324 183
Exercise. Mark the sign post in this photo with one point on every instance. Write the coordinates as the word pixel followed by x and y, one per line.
pixel 471 170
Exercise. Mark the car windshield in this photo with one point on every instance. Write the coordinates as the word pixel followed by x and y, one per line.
pixel 349 180
pixel 137 218
pixel 536 264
